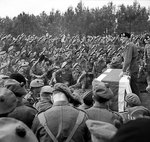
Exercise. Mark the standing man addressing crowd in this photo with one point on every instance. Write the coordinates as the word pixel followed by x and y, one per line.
pixel 130 64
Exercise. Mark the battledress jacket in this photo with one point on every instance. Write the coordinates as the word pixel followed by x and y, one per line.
pixel 61 119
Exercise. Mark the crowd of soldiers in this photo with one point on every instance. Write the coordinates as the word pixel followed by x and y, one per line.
pixel 49 91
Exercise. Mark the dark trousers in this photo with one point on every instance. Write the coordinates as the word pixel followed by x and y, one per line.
pixel 134 83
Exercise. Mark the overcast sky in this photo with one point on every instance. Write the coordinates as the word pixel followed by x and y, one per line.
pixel 12 8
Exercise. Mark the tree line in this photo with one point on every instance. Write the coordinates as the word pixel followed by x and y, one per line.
pixel 81 20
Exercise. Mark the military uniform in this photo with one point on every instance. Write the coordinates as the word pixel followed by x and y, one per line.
pixel 131 65
pixel 24 113
pixel 97 112
pixel 43 105
pixel 64 77
pixel 61 119
pixel 147 61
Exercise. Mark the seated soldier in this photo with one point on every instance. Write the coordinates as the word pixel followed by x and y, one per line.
pixel 21 112
pixel 64 75
pixel 100 110
pixel 45 99
pixel 134 108
pixel 87 100
pixel 61 122
pixel 147 59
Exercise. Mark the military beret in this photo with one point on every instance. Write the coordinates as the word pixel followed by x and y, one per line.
pixel 61 87
pixel 19 77
pixel 15 131
pixel 17 53
pixel 36 83
pixel 46 89
pixel 132 99
pixel 138 112
pixel 24 64
pixel 16 87
pixel 100 89
pixel 101 131
pixel 8 101
pixel 2 52
pixel 2 76
pixel 63 64
pixel 10 48
pixel 87 97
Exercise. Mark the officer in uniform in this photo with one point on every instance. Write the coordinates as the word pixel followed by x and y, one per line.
pixel 130 64
pixel 62 122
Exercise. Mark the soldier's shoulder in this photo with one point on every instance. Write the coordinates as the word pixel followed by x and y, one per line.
pixel 79 109
pixel 44 110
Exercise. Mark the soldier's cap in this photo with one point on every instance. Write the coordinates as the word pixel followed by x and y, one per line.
pixel 2 52
pixel 10 48
pixel 8 101
pixel 64 64
pixel 61 87
pixel 17 53
pixel 24 64
pixel 132 99
pixel 139 111
pixel 36 83
pixel 125 34
pixel 16 87
pixel 101 131
pixel 87 97
pixel 115 59
pixel 19 77
pixel 13 130
pixel 2 76
pixel 101 89
pixel 46 89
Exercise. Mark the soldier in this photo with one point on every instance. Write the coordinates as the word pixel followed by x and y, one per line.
pixel 22 112
pixel 87 100
pixel 134 108
pixel 130 64
pixel 64 75
pixel 62 122
pixel 147 59
pixel 8 102
pixel 100 110
pixel 45 99
pixel 34 94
